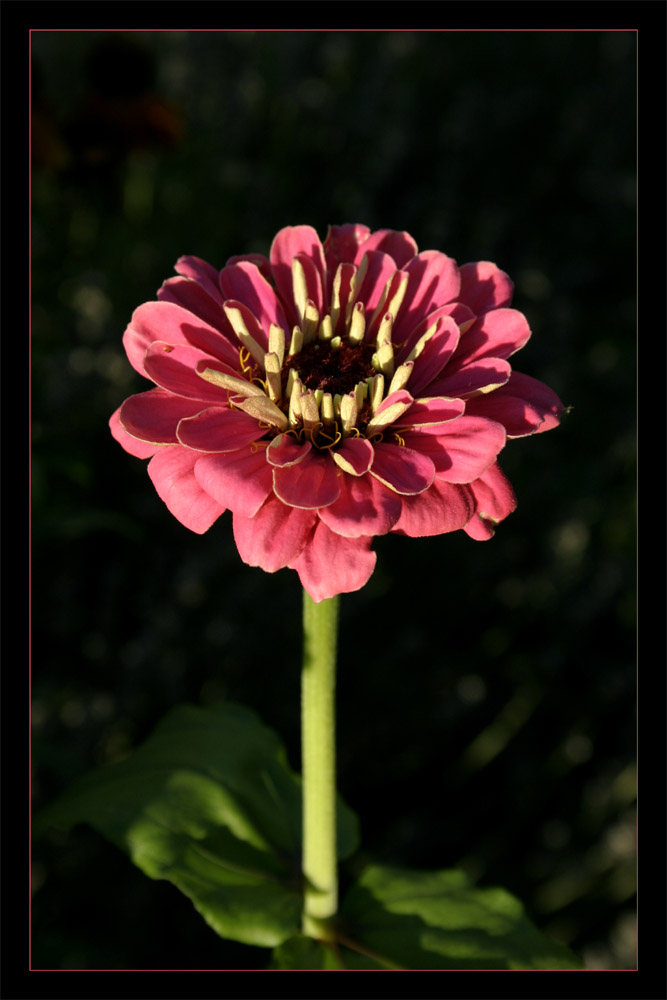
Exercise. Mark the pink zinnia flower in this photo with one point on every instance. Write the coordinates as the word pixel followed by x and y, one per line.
pixel 329 394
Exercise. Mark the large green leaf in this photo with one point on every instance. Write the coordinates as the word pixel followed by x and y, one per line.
pixel 438 920
pixel 209 803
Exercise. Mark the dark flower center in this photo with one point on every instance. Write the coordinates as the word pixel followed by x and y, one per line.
pixel 334 370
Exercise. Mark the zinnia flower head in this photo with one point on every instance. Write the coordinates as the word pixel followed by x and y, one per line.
pixel 331 393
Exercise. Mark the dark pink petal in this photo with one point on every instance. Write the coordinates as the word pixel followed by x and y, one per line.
pixel 436 353
pixel 400 246
pixel 436 410
pixel 330 565
pixel 171 471
pixel 150 322
pixel 342 244
pixel 200 271
pixel 494 499
pixel 252 324
pixel 131 445
pixel 258 259
pixel 187 294
pixel 402 469
pixel 497 334
pixel 472 377
pixel 287 244
pixel 461 450
pixel 442 508
pixel 381 267
pixel 458 312
pixel 172 367
pixel 433 282
pixel 524 405
pixel 275 536
pixel 314 282
pixel 364 507
pixel 354 455
pixel 240 481
pixel 285 451
pixel 311 484
pixel 218 429
pixel 154 415
pixel 244 283
pixel 484 286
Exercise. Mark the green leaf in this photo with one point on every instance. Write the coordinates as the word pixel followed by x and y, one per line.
pixel 438 920
pixel 209 803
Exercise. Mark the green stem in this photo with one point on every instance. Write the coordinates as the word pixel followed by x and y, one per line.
pixel 318 743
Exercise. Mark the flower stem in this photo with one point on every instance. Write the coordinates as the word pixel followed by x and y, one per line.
pixel 318 744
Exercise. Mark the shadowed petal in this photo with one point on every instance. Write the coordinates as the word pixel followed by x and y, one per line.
pixel 497 334
pixel 364 507
pixel 310 484
pixel 523 405
pixel 241 480
pixel 484 286
pixel 433 281
pixel 154 415
pixel 289 242
pixel 131 445
pixel 172 474
pixel 484 374
pixel 402 469
pixel 330 564
pixel 460 450
pixel 244 283
pixel 442 508
pixel 400 246
pixel 494 499
pixel 172 367
pixel 218 429
pixel 274 537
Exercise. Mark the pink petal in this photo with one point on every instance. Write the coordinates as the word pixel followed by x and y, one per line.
pixel 285 450
pixel 314 282
pixel 274 537
pixel 261 262
pixel 218 429
pixel 151 322
pixel 171 471
pixel 436 410
pixel 245 283
pixel 402 469
pixel 364 507
pixel 154 415
pixel 497 334
pixel 330 564
pixel 342 244
pixel 461 315
pixel 240 481
pixel 400 246
pixel 472 377
pixel 311 484
pixel 286 245
pixel 442 508
pixel 172 367
pixel 187 294
pixel 131 445
pixel 252 324
pixel 433 282
pixel 436 353
pixel 381 267
pixel 494 498
pixel 484 286
pixel 356 455
pixel 200 271
pixel 461 450
pixel 524 405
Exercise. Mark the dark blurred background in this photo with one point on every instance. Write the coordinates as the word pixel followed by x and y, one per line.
pixel 486 690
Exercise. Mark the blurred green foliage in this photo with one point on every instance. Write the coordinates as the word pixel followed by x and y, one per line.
pixel 486 690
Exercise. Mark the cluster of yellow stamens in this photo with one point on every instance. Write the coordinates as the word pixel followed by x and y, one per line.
pixel 286 387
